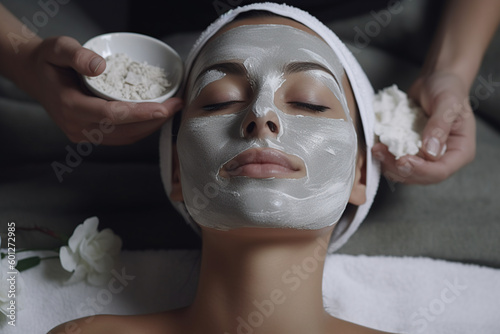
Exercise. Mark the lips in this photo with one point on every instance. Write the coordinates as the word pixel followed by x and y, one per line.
pixel 262 163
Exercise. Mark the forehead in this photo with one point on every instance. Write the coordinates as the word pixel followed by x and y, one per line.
pixel 266 20
pixel 273 45
pixel 278 20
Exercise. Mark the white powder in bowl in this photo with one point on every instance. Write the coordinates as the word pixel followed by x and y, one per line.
pixel 131 80
pixel 399 122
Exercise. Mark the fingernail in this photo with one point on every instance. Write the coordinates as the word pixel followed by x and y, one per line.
pixel 379 156
pixel 432 146
pixel 96 63
pixel 414 160
pixel 158 114
pixel 405 170
pixel 443 151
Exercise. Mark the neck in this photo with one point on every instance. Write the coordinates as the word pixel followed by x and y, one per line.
pixel 261 281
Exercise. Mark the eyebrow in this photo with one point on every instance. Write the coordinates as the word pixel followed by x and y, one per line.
pixel 304 66
pixel 297 67
pixel 239 69
pixel 228 68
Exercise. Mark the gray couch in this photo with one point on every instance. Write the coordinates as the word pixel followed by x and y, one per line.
pixel 457 220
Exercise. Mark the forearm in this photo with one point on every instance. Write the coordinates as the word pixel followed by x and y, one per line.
pixel 463 37
pixel 17 44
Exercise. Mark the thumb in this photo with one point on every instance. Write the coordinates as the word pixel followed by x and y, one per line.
pixel 66 51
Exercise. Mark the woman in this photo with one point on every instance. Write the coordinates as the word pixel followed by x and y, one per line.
pixel 265 163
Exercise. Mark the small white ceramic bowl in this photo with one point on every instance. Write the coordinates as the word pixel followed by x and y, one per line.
pixel 140 48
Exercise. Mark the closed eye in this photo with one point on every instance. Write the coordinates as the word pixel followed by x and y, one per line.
pixel 309 106
pixel 219 106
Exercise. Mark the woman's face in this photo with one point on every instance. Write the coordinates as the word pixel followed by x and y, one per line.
pixel 266 138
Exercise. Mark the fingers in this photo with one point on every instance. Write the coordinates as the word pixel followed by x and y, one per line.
pixel 125 134
pixel 115 122
pixel 457 150
pixel 78 113
pixel 443 97
pixel 390 167
pixel 65 51
pixel 107 133
pixel 411 169
pixel 407 169
pixel 118 112
pixel 448 139
pixel 447 113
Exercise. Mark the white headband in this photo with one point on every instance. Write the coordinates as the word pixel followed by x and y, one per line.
pixel 361 87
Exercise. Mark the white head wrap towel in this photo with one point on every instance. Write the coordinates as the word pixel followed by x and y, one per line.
pixel 363 93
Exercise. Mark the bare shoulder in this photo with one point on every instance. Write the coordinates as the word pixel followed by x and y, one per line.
pixel 118 324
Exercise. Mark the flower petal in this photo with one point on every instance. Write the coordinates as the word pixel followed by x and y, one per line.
pixel 78 275
pixel 109 242
pixel 90 225
pixel 91 253
pixel 105 264
pixel 83 231
pixel 75 239
pixel 69 260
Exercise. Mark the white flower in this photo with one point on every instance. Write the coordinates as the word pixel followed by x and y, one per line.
pixel 90 254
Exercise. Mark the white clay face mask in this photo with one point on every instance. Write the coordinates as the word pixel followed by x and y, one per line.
pixel 326 147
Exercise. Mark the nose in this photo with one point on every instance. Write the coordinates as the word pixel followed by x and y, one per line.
pixel 254 126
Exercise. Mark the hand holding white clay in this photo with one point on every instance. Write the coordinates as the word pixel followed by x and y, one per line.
pixel 442 90
pixel 448 139
pixel 49 70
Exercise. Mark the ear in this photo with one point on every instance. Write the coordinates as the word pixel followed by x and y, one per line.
pixel 358 192
pixel 176 193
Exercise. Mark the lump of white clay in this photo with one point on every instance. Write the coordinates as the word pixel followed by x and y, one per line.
pixel 399 122
pixel 131 80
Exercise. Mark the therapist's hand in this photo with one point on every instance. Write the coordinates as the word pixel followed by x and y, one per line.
pixel 449 138
pixel 57 86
